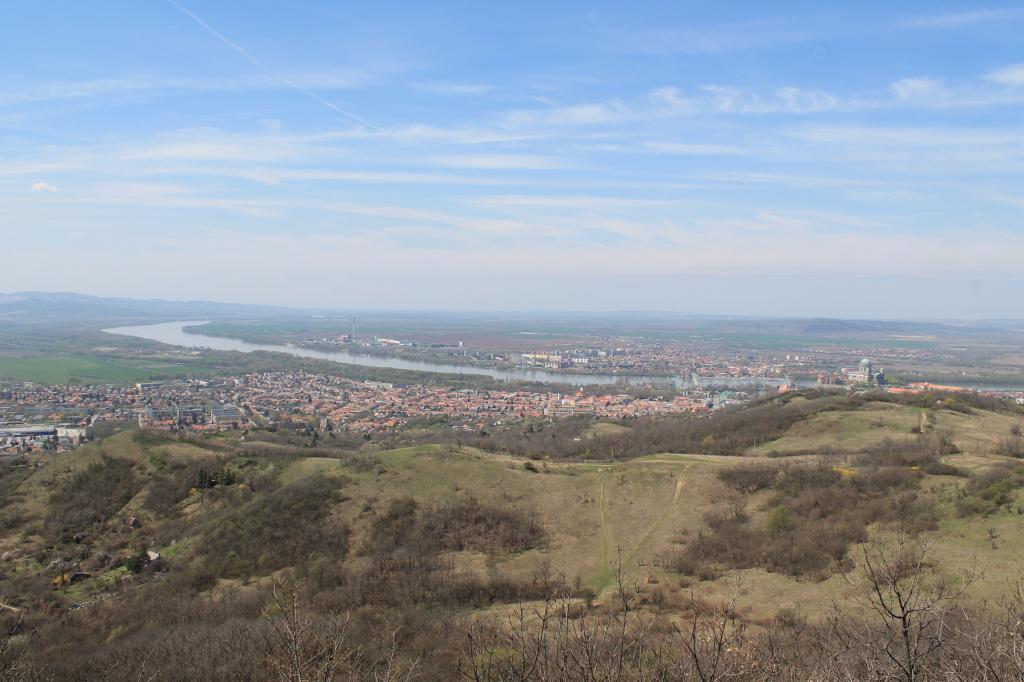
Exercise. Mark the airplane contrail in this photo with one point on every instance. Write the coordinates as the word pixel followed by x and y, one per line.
pixel 259 65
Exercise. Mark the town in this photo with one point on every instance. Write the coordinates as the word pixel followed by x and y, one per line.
pixel 39 418
pixel 43 418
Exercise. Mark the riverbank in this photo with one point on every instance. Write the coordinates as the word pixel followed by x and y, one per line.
pixel 181 334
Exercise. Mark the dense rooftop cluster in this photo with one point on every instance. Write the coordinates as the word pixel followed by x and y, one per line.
pixel 369 406
pixel 329 402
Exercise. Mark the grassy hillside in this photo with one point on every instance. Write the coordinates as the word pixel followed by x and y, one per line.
pixel 874 422
pixel 422 537
pixel 593 513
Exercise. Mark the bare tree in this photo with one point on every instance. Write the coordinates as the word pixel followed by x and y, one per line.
pixel 712 638
pixel 301 649
pixel 913 608
pixel 14 666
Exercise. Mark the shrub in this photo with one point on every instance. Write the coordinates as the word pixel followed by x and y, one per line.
pixel 990 489
pixel 750 478
pixel 780 519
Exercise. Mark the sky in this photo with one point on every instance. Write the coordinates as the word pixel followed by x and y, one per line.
pixel 784 158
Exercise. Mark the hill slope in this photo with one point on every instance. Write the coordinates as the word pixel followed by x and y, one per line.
pixel 415 532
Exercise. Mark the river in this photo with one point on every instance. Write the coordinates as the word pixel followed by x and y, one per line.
pixel 174 334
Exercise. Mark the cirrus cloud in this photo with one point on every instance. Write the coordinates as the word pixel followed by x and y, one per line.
pixel 916 88
pixel 1008 75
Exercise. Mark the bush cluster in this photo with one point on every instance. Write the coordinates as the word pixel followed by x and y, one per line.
pixel 813 514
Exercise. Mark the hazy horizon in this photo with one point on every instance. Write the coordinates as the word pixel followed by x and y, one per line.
pixel 539 313
pixel 792 160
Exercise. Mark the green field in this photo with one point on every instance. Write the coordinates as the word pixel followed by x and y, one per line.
pixel 86 369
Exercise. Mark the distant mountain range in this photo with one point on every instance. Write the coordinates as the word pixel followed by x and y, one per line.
pixel 62 306
pixel 69 307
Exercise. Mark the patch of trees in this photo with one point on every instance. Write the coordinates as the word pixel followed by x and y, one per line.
pixel 153 437
pixel 725 432
pixel 731 431
pixel 455 526
pixel 91 497
pixel 108 427
pixel 812 514
pixel 990 490
pixel 286 527
pixel 924 453
pixel 12 473
pixel 177 480
pixel 955 401
pixel 406 558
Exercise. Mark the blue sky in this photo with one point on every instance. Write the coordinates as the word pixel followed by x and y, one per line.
pixel 754 158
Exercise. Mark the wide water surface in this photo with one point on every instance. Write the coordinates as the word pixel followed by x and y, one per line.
pixel 173 333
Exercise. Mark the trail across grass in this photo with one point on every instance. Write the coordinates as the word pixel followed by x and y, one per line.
pixel 609 567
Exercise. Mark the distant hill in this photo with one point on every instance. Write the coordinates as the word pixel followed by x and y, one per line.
pixel 63 306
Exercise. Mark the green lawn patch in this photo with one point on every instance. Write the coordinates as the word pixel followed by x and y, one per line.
pixel 87 369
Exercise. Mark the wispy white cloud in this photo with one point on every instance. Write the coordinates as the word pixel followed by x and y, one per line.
pixel 37 167
pixel 695 149
pixel 1008 75
pixel 42 187
pixel 912 136
pixel 149 196
pixel 704 39
pixel 670 101
pixel 914 89
pixel 581 203
pixel 156 86
pixel 952 20
pixel 211 150
pixel 739 178
pixel 589 113
pixel 791 100
pixel 420 133
pixel 501 161
pixel 442 88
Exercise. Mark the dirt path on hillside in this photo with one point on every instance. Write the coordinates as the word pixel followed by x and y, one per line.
pixel 645 538
pixel 680 482
pixel 660 518
pixel 606 536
